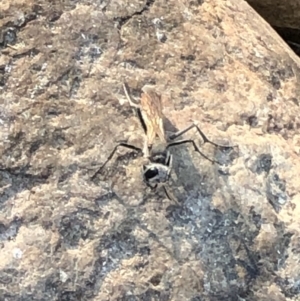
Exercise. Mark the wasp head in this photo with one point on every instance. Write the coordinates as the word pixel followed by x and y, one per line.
pixel 158 170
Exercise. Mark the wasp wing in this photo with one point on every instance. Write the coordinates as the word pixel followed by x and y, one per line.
pixel 151 110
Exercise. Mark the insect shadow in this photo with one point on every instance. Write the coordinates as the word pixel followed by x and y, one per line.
pixel 157 144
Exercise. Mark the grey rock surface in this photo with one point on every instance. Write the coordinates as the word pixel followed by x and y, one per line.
pixel 234 234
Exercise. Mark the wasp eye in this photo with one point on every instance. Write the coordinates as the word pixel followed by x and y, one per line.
pixel 151 173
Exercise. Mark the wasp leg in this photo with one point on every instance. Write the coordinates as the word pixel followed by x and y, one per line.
pixel 139 150
pixel 195 147
pixel 203 136
pixel 170 195
pixel 170 164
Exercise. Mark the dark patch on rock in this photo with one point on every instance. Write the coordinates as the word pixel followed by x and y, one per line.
pixel 270 97
pixel 276 192
pixel 252 121
pixel 263 164
pixel 8 36
pixel 122 20
pixel 189 57
pixel 10 230
pixel 152 294
pixel 289 286
pixel 275 81
pixel 72 228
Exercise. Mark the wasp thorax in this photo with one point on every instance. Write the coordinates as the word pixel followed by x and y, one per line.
pixel 159 158
pixel 159 154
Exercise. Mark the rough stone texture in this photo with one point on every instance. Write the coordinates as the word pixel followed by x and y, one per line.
pixel 279 13
pixel 234 234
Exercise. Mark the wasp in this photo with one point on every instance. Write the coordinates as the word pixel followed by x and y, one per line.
pixel 157 144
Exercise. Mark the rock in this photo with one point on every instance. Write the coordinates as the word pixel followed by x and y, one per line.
pixel 234 234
